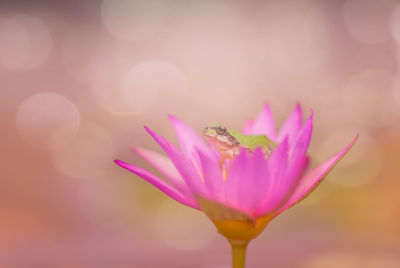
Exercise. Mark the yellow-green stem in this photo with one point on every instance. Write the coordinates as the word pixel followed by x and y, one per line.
pixel 238 254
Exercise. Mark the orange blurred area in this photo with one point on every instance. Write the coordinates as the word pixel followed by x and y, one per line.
pixel 79 79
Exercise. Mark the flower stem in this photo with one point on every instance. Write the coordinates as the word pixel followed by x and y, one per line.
pixel 238 253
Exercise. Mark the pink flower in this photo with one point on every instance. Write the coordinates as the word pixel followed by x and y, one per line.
pixel 249 189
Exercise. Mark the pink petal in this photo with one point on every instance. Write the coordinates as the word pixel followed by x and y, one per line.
pixel 189 140
pixel 264 124
pixel 248 125
pixel 278 164
pixel 255 182
pixel 237 172
pixel 292 125
pixel 247 181
pixel 284 190
pixel 311 180
pixel 185 168
pixel 212 177
pixel 302 141
pixel 291 180
pixel 278 160
pixel 160 184
pixel 284 178
pixel 164 165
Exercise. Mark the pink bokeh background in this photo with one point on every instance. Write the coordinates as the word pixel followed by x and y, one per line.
pixel 79 79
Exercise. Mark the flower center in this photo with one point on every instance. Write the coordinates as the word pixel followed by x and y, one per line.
pixel 237 226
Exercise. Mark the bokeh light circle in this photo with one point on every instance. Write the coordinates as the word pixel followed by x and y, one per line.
pixel 395 24
pixel 25 43
pixel 151 83
pixel 40 116
pixel 150 86
pixel 354 171
pixel 365 91
pixel 368 20
pixel 337 139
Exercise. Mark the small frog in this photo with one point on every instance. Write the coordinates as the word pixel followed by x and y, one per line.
pixel 228 142
pixel 220 138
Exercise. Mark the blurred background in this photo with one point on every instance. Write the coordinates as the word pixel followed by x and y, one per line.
pixel 79 79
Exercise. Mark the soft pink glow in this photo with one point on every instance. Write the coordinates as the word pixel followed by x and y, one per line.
pixel 64 203
pixel 25 43
pixel 44 115
pixel 368 20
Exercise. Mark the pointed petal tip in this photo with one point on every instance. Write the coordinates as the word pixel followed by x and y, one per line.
pixel 258 152
pixel 349 146
pixel 353 141
pixel 175 121
pixel 283 144
pixel 310 118
pixel 316 175
pixel 338 156
pixel 309 121
pixel 138 150
pixel 151 132
pixel 162 185
pixel 267 106
pixel 119 162
pixel 172 117
pixel 298 108
pixel 148 130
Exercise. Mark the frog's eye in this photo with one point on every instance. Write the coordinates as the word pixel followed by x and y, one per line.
pixel 221 130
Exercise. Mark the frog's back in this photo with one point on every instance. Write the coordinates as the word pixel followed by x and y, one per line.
pixel 253 141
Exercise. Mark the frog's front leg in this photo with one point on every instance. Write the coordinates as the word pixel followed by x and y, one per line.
pixel 230 153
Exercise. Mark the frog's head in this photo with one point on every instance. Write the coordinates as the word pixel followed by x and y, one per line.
pixel 219 134
pixel 215 131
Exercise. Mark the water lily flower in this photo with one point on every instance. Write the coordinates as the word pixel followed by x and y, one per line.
pixel 242 193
